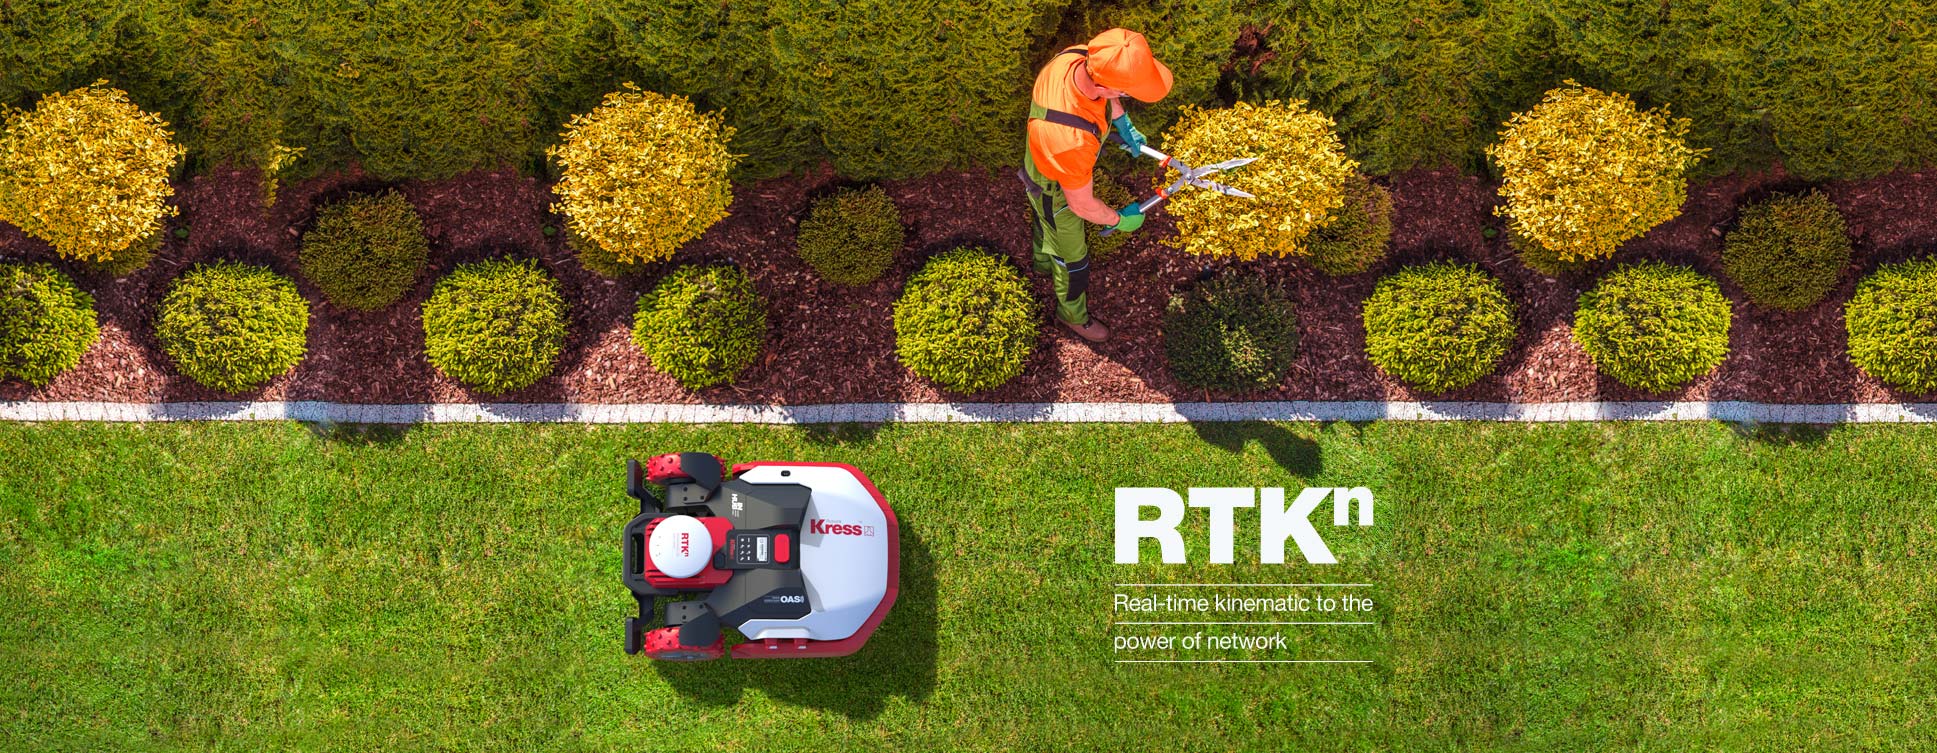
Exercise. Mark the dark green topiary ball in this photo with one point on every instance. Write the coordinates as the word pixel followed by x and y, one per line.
pixel 966 321
pixel 852 236
pixel 1892 323
pixel 1787 252
pixel 1360 233
pixel 46 323
pixel 496 325
pixel 1439 327
pixel 701 325
pixel 366 251
pixel 1653 326
pixel 233 327
pixel 1233 333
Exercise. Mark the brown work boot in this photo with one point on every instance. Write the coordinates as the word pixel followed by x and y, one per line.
pixel 1094 331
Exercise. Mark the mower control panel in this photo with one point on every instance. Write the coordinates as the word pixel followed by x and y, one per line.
pixel 765 548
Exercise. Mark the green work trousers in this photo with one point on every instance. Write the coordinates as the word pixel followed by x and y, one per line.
pixel 1058 244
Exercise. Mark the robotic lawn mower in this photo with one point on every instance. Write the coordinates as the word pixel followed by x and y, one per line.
pixel 801 558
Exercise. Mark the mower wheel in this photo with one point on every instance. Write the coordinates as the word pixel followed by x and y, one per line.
pixel 663 644
pixel 665 469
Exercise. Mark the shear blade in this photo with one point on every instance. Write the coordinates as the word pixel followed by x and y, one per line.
pixel 1221 188
pixel 1227 165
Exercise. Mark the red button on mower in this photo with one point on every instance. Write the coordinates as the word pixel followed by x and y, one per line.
pixel 803 559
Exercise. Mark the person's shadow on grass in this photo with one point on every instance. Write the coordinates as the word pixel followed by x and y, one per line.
pixel 1297 455
pixel 898 661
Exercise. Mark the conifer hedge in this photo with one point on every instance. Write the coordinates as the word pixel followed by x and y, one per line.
pixel 425 88
pixel 897 89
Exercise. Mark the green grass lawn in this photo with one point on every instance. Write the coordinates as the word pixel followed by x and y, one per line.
pixel 1667 587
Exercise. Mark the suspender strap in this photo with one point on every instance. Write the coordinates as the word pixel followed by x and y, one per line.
pixel 1038 112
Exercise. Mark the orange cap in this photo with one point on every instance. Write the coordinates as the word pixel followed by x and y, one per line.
pixel 1121 59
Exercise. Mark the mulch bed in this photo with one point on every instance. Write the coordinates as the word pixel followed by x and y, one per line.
pixel 833 344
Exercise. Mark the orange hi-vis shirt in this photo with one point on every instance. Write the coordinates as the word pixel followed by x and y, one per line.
pixel 1064 154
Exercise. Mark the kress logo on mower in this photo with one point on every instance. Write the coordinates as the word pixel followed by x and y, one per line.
pixel 820 526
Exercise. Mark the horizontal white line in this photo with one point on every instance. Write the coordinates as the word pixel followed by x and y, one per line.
pixel 1242 623
pixel 1244 661
pixel 1241 585
pixel 1297 410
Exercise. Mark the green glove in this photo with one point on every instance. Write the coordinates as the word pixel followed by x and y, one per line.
pixel 1132 140
pixel 1129 219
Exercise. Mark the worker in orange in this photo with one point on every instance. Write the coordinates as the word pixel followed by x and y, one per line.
pixel 1075 105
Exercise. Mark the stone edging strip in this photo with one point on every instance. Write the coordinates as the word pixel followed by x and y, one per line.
pixel 1368 410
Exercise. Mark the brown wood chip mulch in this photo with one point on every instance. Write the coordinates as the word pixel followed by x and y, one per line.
pixel 831 344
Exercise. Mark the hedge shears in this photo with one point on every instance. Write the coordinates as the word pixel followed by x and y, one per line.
pixel 1188 176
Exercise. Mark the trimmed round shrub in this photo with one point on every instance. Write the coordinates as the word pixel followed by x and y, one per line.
pixel 1654 326
pixel 495 325
pixel 1439 327
pixel 1299 178
pixel 233 327
pixel 1233 333
pixel 642 174
pixel 701 325
pixel 1892 323
pixel 965 321
pixel 46 323
pixel 1787 252
pixel 852 236
pixel 366 251
pixel 1585 170
pixel 87 171
pixel 1360 232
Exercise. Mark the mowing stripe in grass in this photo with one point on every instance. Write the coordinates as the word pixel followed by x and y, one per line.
pixel 658 413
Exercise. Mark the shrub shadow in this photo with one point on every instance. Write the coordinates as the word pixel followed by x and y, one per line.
pixel 838 434
pixel 1782 435
pixel 1297 455
pixel 359 435
pixel 1005 412
pixel 899 660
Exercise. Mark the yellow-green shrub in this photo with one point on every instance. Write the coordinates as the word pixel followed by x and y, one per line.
pixel 1653 326
pixel 233 327
pixel 86 171
pixel 1299 178
pixel 642 174
pixel 1585 170
pixel 495 325
pixel 1439 326
pixel 701 325
pixel 1892 325
pixel 966 321
pixel 46 322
